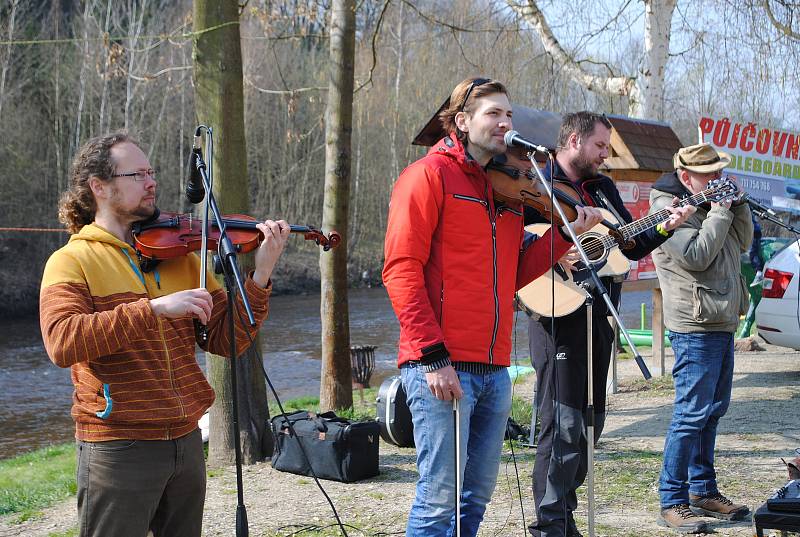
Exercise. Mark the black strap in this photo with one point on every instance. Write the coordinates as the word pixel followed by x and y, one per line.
pixel 610 207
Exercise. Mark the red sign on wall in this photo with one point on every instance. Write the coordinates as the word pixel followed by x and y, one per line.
pixel 636 196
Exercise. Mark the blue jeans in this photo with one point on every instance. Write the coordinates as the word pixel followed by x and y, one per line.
pixel 703 375
pixel 484 410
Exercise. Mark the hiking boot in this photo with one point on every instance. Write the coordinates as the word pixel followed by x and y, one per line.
pixel 680 517
pixel 717 506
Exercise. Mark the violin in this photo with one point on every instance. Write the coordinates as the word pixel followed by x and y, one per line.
pixel 167 235
pixel 514 182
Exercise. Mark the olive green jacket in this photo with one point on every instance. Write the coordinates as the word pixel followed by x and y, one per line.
pixel 699 265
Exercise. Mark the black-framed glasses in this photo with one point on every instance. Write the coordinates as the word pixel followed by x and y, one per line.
pixel 475 83
pixel 139 175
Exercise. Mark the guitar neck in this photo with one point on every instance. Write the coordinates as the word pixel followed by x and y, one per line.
pixel 652 220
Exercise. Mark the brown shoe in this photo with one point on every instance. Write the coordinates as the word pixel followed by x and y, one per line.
pixel 717 506
pixel 680 517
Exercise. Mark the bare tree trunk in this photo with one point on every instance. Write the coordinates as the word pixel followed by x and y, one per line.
pixel 84 60
pixel 7 62
pixel 336 391
pixel 650 83
pixel 55 12
pixel 398 76
pixel 136 26
pixel 219 101
pixel 106 74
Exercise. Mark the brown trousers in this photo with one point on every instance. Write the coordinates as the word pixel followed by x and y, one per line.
pixel 127 487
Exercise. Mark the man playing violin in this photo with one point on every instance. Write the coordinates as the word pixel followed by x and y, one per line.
pixel 129 337
pixel 454 259
pixel 561 377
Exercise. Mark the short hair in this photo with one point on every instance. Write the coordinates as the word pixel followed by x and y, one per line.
pixel 77 206
pixel 582 123
pixel 470 89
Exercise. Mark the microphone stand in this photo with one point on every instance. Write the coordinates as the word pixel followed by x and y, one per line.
pixel 595 283
pixel 208 186
pixel 764 215
pixel 233 281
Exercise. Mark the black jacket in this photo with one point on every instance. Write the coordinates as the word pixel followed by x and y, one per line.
pixel 596 191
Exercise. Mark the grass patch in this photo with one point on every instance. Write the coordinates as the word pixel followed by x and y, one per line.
pixel 366 410
pixel 656 386
pixel 521 410
pixel 36 480
pixel 626 477
pixel 626 354
pixel 73 532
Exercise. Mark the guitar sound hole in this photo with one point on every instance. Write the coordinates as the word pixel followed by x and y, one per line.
pixel 593 247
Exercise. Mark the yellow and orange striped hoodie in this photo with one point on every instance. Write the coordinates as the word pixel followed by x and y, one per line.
pixel 135 374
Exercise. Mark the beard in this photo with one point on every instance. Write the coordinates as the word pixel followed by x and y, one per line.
pixel 585 168
pixel 142 211
pixel 489 145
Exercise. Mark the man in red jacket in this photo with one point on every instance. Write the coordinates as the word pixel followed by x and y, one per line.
pixel 454 259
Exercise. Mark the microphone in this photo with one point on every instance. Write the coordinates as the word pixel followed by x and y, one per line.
pixel 195 191
pixel 757 205
pixel 512 138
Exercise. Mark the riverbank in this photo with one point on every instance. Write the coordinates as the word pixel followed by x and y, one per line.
pixel 37 395
pixel 760 427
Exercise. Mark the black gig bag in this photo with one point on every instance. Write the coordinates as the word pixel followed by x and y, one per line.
pixel 337 448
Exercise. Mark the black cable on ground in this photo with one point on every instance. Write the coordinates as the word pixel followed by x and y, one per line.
pixel 291 429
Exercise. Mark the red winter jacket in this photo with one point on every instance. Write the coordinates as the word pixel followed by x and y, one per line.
pixel 454 260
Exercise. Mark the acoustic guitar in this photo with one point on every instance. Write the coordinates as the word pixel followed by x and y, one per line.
pixel 602 247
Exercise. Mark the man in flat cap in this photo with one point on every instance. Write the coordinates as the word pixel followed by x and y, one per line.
pixel 704 294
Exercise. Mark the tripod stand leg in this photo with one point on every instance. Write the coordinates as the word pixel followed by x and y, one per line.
pixel 589 416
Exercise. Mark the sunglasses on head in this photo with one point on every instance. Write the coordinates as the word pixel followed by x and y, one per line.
pixel 475 83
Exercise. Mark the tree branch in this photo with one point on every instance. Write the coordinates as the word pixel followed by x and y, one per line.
pixel 610 85
pixel 787 30
pixel 164 71
pixel 374 47
pixel 282 92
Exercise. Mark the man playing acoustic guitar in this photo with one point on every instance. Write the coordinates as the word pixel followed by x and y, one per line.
pixel 560 467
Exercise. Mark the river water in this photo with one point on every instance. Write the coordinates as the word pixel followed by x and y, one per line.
pixel 35 395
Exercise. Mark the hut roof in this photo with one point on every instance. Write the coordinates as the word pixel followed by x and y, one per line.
pixel 635 143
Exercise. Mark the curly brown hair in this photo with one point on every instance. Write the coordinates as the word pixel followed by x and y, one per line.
pixel 463 100
pixel 77 206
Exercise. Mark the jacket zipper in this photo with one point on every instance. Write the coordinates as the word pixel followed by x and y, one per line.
pixel 169 372
pixel 471 198
pixel 508 210
pixel 494 266
pixel 441 307
pixel 493 220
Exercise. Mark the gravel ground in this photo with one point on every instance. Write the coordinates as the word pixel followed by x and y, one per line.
pixel 758 430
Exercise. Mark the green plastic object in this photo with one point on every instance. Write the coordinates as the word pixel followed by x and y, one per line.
pixel 641 337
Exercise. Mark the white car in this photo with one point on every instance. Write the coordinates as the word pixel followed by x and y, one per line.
pixel 778 313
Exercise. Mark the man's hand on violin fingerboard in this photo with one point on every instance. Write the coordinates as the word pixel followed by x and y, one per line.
pixel 587 218
pixel 275 236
